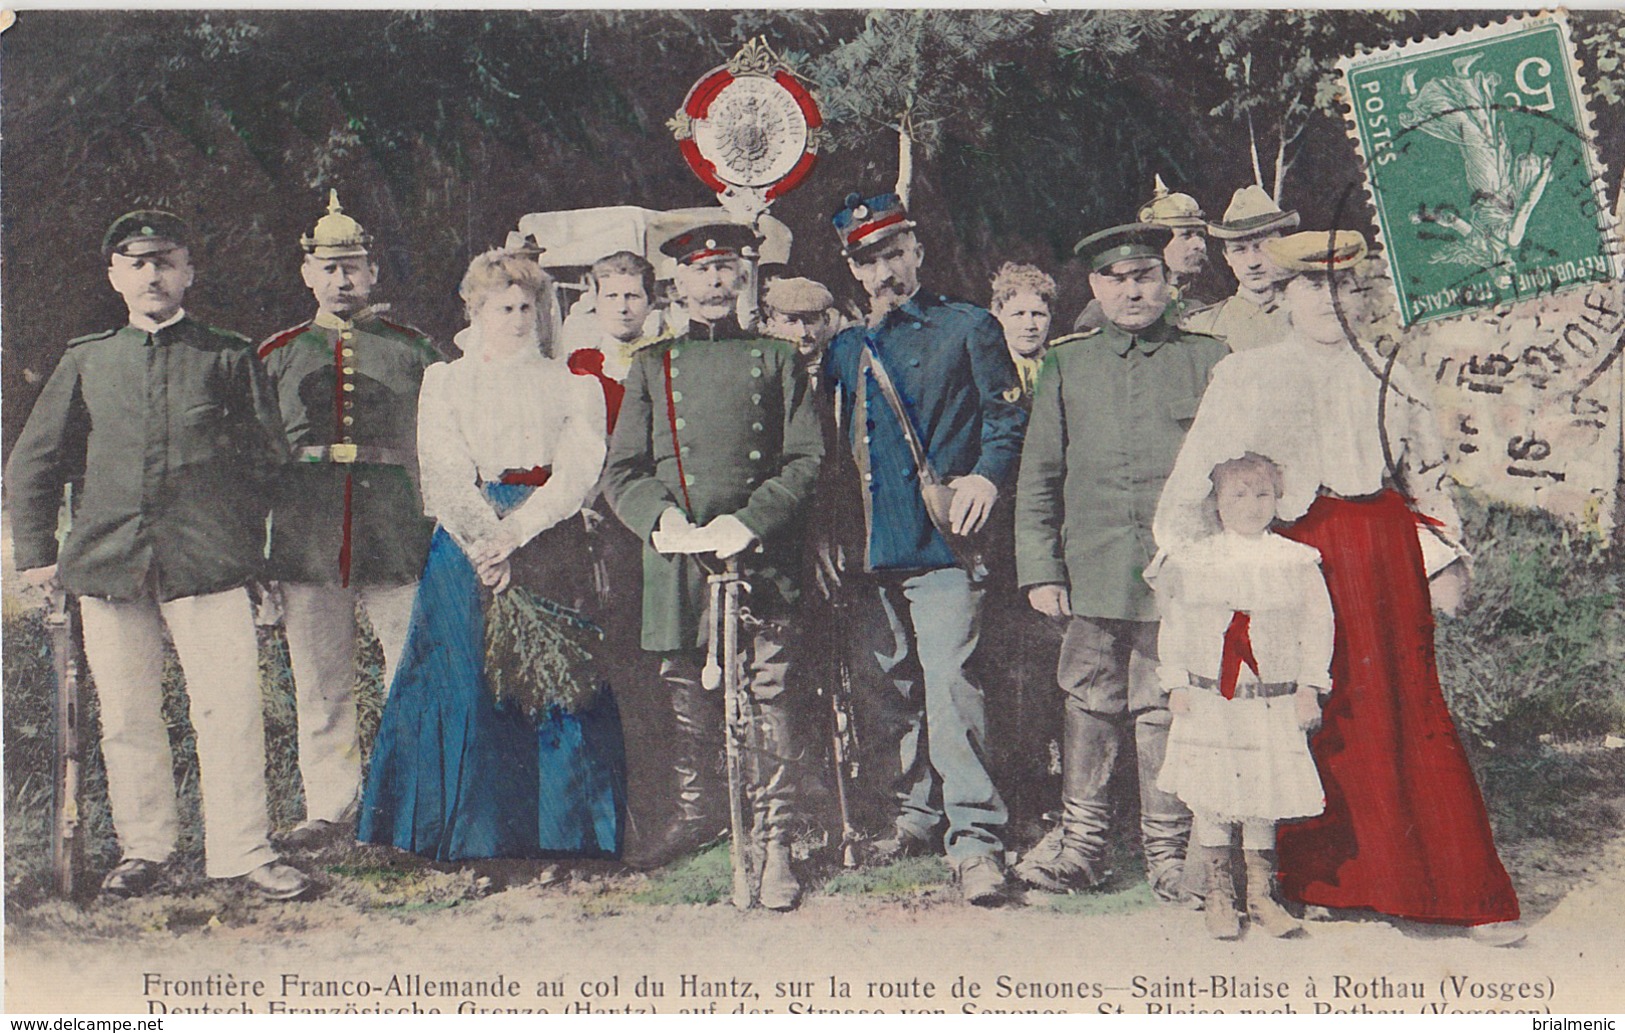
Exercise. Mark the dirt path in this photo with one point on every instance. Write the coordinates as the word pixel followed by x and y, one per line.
pixel 534 948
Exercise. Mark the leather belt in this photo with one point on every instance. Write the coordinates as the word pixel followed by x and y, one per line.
pixel 353 454
pixel 1249 690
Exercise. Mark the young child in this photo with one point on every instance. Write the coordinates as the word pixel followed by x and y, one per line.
pixel 1245 647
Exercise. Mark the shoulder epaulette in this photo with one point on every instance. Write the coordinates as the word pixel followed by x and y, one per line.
pixel 102 336
pixel 656 343
pixel 410 331
pixel 1082 335
pixel 276 341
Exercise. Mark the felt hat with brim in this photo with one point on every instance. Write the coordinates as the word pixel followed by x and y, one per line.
pixel 144 233
pixel 1121 243
pixel 1251 212
pixel 797 295
pixel 1176 211
pixel 336 235
pixel 723 240
pixel 864 222
pixel 1317 251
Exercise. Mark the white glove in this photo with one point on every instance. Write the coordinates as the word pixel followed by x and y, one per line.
pixel 674 526
pixel 730 536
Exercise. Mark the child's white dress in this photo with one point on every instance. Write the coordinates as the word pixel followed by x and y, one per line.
pixel 1245 757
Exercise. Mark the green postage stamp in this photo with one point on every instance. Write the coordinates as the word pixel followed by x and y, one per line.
pixel 1481 165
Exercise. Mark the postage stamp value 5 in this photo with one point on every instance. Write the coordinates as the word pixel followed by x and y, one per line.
pixel 1481 165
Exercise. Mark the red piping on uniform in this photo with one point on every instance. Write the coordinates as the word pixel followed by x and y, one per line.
pixel 700 256
pixel 676 446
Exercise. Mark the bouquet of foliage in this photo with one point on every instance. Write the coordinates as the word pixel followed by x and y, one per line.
pixel 538 654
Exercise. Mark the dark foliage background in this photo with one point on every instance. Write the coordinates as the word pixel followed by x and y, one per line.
pixel 441 128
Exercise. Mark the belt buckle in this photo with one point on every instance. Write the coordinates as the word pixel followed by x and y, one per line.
pixel 345 453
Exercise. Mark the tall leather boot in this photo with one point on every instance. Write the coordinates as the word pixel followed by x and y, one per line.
pixel 773 792
pixel 1262 907
pixel 701 816
pixel 1088 754
pixel 1165 822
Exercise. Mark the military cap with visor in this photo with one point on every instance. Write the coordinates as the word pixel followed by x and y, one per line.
pixel 1317 251
pixel 336 235
pixel 1173 210
pixel 723 240
pixel 1252 212
pixel 863 222
pixel 1122 243
pixel 148 232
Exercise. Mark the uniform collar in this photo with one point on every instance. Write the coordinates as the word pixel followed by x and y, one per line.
pixel 147 326
pixel 1148 338
pixel 328 321
pixel 1263 302
pixel 914 308
pixel 725 329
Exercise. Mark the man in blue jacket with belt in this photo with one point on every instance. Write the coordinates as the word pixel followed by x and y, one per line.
pixel 952 377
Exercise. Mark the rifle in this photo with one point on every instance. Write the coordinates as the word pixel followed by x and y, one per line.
pixel 844 747
pixel 743 852
pixel 59 618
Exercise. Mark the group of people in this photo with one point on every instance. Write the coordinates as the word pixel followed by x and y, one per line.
pixel 1230 525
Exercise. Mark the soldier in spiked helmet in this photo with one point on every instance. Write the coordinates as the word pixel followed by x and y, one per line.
pixel 348 523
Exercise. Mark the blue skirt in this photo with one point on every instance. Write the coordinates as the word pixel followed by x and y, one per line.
pixel 454 777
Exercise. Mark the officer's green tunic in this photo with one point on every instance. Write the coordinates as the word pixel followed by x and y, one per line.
pixel 1109 414
pixel 351 385
pixel 737 411
pixel 171 439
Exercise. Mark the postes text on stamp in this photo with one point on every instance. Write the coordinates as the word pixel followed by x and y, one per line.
pixel 1481 166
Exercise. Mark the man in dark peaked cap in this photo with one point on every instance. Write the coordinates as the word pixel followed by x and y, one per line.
pixel 168 428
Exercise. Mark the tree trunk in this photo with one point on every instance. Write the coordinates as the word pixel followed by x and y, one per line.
pixel 1252 140
pixel 905 161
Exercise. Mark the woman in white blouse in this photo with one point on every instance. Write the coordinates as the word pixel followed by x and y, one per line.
pixel 1405 830
pixel 511 444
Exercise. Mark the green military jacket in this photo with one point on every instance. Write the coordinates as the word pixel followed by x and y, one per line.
pixel 1109 414
pixel 349 383
pixel 171 439
pixel 733 413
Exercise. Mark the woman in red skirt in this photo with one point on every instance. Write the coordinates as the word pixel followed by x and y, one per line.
pixel 1404 832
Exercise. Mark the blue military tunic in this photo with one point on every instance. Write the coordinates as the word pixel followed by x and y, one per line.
pixel 953 372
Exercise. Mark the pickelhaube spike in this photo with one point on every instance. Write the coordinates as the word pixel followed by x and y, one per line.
pixel 336 235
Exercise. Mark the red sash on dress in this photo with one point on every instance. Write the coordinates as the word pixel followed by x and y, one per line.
pixel 1405 831
pixel 1238 649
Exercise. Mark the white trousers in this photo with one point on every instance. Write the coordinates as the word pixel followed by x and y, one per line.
pixel 214 635
pixel 321 626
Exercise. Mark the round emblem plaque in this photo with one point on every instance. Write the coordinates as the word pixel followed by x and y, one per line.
pixel 749 129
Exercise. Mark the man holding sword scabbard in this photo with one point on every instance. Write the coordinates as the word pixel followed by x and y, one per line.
pixel 712 463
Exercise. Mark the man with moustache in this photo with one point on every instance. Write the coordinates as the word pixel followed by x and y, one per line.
pixel 1185 258
pixel 955 384
pixel 1255 315
pixel 348 524
pixel 1108 418
pixel 717 437
pixel 168 430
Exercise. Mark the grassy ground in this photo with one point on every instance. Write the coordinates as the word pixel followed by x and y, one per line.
pixel 1533 669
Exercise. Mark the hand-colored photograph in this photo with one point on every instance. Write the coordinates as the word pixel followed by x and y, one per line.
pixel 979 511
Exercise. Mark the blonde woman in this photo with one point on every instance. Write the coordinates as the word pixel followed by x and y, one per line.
pixel 511 444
